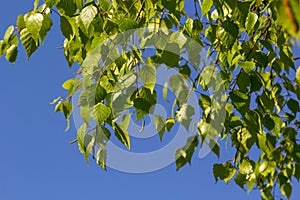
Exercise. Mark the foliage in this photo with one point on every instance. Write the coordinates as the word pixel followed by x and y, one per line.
pixel 251 42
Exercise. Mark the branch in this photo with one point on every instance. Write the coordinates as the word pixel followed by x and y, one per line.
pixel 137 17
pixel 196 11
pixel 297 58
pixel 53 10
pixel 130 8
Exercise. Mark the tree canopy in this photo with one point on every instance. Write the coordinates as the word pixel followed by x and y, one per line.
pixel 252 85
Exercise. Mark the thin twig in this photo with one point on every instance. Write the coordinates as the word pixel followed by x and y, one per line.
pixel 130 8
pixel 53 10
pixel 137 17
pixel 196 10
pixel 297 58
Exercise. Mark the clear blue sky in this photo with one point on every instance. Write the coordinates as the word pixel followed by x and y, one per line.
pixel 37 162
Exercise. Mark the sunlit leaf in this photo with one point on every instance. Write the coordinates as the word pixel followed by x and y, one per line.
pixel 101 112
pixel 224 172
pixel 248 66
pixel 206 6
pixel 9 31
pixel 101 158
pixel 11 53
pixel 122 135
pixel 148 75
pixel 51 3
pixel 170 122
pixel 184 115
pixel 28 42
pixel 184 155
pixel 34 23
pixel 87 15
pixel 160 125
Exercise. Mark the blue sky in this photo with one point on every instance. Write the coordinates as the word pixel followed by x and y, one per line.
pixel 37 161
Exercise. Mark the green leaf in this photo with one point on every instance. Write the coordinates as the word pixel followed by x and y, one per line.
pixel 73 50
pixel 169 124
pixel 67 109
pixel 245 167
pixel 102 135
pixel 89 142
pixel 206 6
pixel 100 93
pixel 66 27
pixel 170 55
pixel 87 15
pixel 243 81
pixel 205 103
pixel 240 100
pixel 126 24
pixel 101 158
pixel 144 101
pixel 11 53
pixel 20 23
pixel 105 5
pixel 184 114
pixel 28 42
pixel 85 142
pixel 267 167
pixel 262 142
pixel 274 124
pixel 3 47
pixel 55 100
pixel 51 3
pixel 228 33
pixel 8 33
pixel 165 92
pixel 85 114
pixel 35 5
pixel 125 121
pixel 256 82
pixel 13 40
pixel 224 171
pixel 80 138
pixel 266 101
pixel 34 23
pixel 241 12
pixel 240 180
pixel 160 125
pixel 66 7
pixel 293 105
pixel 297 172
pixel 286 190
pixel 248 66
pixel 250 22
pixel 101 112
pixel 148 75
pixel 286 56
pixel 184 155
pixel 177 81
pixel 122 135
pixel 185 71
pixel 46 26
pixel 69 85
pixel 215 148
pixel 297 78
